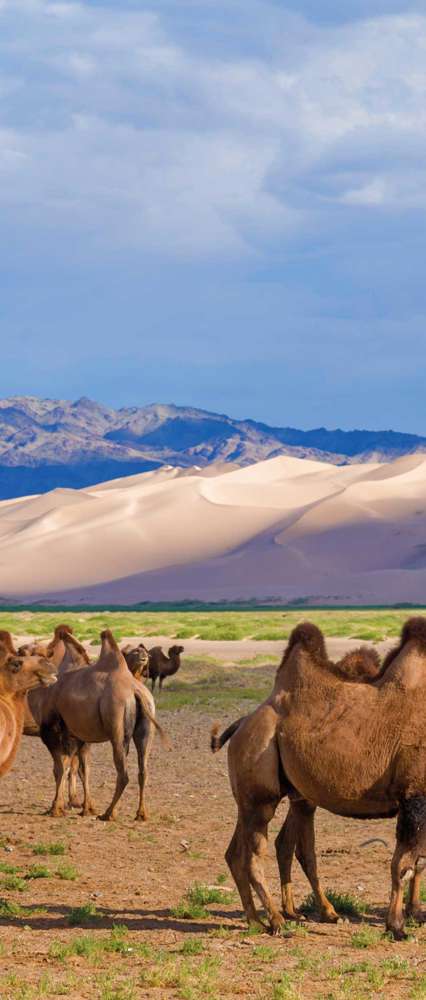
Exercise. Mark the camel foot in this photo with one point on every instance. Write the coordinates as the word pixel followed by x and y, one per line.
pixel 330 917
pixel 89 811
pixel 277 923
pixel 141 817
pixel 416 913
pixel 106 817
pixel 398 933
pixel 57 812
pixel 75 804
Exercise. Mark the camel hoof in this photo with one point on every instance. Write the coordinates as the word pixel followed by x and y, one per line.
pixel 90 812
pixel 398 933
pixel 277 924
pixel 330 917
pixel 106 817
pixel 56 813
pixel 295 917
pixel 141 817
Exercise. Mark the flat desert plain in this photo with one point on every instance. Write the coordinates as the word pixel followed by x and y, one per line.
pixel 286 529
pixel 126 911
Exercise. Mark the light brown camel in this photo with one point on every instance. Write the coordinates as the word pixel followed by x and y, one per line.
pixel 137 659
pixel 98 704
pixel 161 666
pixel 18 674
pixel 356 749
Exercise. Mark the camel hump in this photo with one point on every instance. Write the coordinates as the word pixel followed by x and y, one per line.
pixel 7 641
pixel 414 630
pixel 310 637
pixel 69 640
pixel 360 664
pixel 62 630
pixel 108 638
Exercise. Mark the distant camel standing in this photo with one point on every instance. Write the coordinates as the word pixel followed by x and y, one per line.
pixel 161 666
pixel 18 674
pixel 99 704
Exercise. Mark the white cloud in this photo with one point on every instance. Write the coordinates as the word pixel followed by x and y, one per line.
pixel 125 132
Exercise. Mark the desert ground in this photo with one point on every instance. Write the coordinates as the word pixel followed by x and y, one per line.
pixel 126 910
pixel 284 529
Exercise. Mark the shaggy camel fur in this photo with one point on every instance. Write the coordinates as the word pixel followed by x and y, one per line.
pixel 98 704
pixel 18 674
pixel 137 659
pixel 357 749
pixel 161 666
pixel 258 780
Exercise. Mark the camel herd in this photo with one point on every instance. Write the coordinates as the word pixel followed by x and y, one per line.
pixel 349 737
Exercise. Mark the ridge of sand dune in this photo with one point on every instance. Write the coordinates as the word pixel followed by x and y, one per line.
pixel 284 528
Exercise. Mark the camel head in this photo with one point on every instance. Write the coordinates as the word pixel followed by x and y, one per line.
pixel 175 651
pixel 19 674
pixel 137 660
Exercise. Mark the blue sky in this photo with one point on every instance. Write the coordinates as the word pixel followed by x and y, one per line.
pixel 216 204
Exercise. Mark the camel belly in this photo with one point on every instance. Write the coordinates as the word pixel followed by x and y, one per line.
pixel 333 773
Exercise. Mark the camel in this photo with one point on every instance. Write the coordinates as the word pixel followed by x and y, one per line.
pixel 98 704
pixel 161 666
pixel 65 655
pixel 137 659
pixel 261 775
pixel 18 674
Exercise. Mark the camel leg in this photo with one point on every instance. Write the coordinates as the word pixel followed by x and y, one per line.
pixel 285 845
pixel 305 854
pixel 160 682
pixel 236 860
pixel 408 861
pixel 257 839
pixel 72 783
pixel 414 907
pixel 61 747
pixel 142 738
pixel 120 751
pixel 89 809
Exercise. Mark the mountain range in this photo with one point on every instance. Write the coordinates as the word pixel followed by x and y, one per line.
pixel 49 443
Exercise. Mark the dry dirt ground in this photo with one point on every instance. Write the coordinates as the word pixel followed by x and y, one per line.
pixel 58 931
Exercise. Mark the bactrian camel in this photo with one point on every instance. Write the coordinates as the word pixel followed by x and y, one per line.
pixel 161 666
pixel 353 747
pixel 98 704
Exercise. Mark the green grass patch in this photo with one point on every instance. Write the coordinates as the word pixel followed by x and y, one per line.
pixel 196 899
pixel 38 871
pixel 55 849
pixel 68 873
pixel 344 903
pixel 80 916
pixel 13 883
pixel 366 937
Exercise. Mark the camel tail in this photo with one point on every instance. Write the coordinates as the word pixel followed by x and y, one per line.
pixel 143 702
pixel 216 741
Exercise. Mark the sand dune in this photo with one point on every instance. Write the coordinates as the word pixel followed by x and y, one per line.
pixel 285 528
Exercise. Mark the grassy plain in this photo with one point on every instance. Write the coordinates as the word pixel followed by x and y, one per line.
pixel 363 624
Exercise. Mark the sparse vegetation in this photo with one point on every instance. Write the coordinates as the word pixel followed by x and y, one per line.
pixel 344 903
pixel 79 916
pixel 198 897
pixel 55 849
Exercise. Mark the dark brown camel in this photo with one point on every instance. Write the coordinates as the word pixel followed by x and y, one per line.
pixel 98 704
pixel 162 666
pixel 259 779
pixel 18 674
